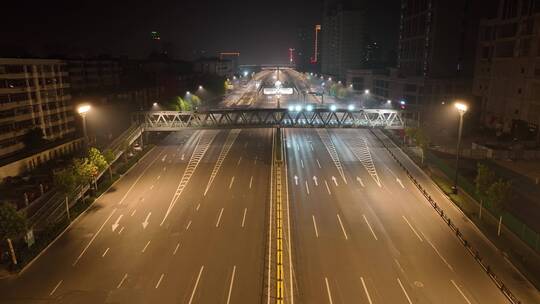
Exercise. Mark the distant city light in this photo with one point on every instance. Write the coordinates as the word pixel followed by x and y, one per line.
pixel 366 91
pixel 402 102
pixel 188 92
pixel 388 101
pixel 155 104
pixel 351 107
pixel 245 73
pixel 333 108
pixel 298 108
pixel 291 108
pixel 200 87
pixel 309 108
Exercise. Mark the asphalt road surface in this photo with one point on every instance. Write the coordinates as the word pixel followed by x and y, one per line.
pixel 190 223
pixel 206 249
pixel 362 233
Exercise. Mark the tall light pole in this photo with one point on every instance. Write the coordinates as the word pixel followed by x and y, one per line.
pixel 83 110
pixel 462 108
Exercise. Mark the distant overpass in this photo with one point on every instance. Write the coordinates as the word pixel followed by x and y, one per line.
pixel 265 66
pixel 269 118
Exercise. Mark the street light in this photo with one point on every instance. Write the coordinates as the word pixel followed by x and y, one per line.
pixel 83 110
pixel 155 104
pixel 366 91
pixel 201 87
pixel 462 109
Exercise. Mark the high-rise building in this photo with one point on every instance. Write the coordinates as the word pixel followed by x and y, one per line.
pixel 34 94
pixel 507 76
pixel 308 48
pixel 437 42
pixel 343 33
pixel 436 37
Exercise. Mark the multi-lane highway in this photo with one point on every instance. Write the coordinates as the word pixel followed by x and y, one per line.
pixel 362 233
pixel 194 222
pixel 137 245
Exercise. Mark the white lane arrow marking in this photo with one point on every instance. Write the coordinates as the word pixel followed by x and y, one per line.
pixel 319 164
pixel 182 158
pixel 302 163
pixel 315 181
pixel 115 225
pixel 164 157
pixel 360 181
pixel 296 180
pixel 145 223
pixel 335 180
pixel 327 188
pixel 400 183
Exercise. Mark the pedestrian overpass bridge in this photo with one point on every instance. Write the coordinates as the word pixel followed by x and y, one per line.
pixel 269 118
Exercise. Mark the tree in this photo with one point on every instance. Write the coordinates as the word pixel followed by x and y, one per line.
pixel 109 156
pixel 66 180
pixel 333 89
pixel 484 179
pixel 499 194
pixel 124 147
pixel 342 92
pixel 419 136
pixel 97 159
pixel 195 101
pixel 186 105
pixel 84 170
pixel 12 224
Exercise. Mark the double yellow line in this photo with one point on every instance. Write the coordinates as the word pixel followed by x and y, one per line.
pixel 279 231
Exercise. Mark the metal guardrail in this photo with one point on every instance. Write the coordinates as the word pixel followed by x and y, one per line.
pixel 475 253
pixel 269 118
pixel 55 209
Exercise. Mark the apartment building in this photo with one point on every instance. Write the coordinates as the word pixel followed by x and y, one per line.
pixel 507 75
pixel 91 75
pixel 34 93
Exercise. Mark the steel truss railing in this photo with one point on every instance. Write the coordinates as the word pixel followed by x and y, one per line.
pixel 246 118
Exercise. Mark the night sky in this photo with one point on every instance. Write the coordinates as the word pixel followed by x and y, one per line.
pixel 261 30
